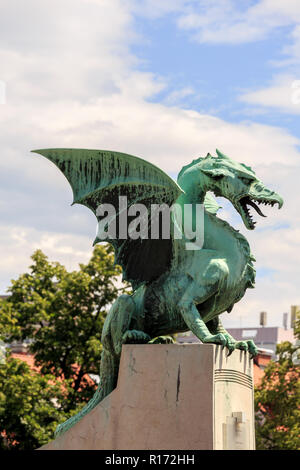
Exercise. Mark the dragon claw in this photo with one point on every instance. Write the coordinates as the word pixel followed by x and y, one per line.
pixel 162 340
pixel 243 345
pixel 216 339
pixel 135 337
pixel 249 346
pixel 252 348
pixel 231 348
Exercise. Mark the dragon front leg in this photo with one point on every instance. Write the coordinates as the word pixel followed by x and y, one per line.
pixel 215 326
pixel 195 323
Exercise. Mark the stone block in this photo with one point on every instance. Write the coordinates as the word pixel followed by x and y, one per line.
pixel 171 397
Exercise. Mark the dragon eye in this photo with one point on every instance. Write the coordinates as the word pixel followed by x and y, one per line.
pixel 246 180
pixel 218 177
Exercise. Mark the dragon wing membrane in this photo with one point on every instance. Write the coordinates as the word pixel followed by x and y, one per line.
pixel 101 176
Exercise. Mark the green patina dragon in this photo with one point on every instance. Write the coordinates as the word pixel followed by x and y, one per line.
pixel 175 289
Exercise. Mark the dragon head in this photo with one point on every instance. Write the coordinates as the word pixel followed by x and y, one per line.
pixel 234 181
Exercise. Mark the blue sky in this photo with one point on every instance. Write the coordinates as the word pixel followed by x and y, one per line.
pixel 217 73
pixel 167 81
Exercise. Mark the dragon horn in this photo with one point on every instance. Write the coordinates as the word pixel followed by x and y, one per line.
pixel 220 154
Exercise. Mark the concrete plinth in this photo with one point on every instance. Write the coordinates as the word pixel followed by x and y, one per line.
pixel 171 397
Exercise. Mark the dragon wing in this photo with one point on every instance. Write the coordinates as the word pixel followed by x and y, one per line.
pixel 100 176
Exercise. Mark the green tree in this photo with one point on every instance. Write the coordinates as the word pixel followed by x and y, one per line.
pixel 62 314
pixel 277 401
pixel 28 406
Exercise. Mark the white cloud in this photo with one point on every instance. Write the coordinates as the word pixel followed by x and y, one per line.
pixel 283 94
pixel 17 243
pixel 231 21
pixel 176 96
pixel 157 8
pixel 292 51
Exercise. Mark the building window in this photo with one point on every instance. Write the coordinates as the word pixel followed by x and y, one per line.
pixel 249 333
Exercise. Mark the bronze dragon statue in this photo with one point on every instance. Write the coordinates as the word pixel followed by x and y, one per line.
pixel 175 289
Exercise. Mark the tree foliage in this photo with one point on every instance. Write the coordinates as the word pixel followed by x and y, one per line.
pixel 28 406
pixel 61 313
pixel 277 401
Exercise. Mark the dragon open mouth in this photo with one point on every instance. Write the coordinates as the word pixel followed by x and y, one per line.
pixel 243 207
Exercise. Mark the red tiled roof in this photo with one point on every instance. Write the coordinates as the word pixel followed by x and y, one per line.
pixel 259 364
pixel 258 374
pixel 28 358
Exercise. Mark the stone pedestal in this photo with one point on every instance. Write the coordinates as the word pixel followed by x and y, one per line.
pixel 188 396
